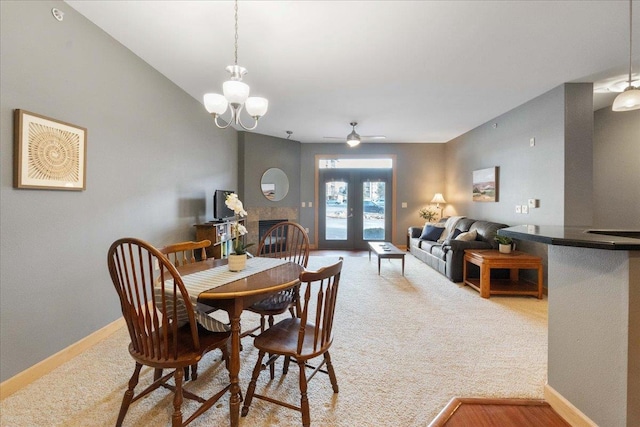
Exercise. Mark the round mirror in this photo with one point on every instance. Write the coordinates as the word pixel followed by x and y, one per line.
pixel 274 184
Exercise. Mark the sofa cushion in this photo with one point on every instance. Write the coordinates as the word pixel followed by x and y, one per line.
pixel 428 245
pixel 438 252
pixel 431 232
pixel 467 236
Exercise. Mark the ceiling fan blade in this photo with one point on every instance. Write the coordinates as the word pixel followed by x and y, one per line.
pixel 334 137
pixel 373 136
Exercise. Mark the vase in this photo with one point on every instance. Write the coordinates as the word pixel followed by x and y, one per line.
pixel 505 249
pixel 237 262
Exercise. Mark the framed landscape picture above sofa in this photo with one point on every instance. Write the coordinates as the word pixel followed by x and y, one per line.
pixel 485 185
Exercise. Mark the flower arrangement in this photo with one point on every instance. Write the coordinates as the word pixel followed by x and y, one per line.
pixel 428 214
pixel 237 229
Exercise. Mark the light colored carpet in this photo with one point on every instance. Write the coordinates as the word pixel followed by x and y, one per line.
pixel 404 346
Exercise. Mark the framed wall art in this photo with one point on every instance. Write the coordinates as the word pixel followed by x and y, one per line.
pixel 48 153
pixel 485 185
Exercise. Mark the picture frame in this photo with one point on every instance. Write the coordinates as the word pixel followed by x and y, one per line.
pixel 485 185
pixel 49 154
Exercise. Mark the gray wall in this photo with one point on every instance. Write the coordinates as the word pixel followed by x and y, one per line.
pixel 525 172
pixel 616 169
pixel 420 174
pixel 257 153
pixel 154 158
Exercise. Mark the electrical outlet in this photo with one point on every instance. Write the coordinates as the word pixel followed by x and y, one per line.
pixel 518 209
pixel 533 203
pixel 525 209
pixel 532 142
pixel 404 204
pixel 310 204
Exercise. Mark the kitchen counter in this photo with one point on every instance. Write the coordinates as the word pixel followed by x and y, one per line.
pixel 626 240
pixel 593 364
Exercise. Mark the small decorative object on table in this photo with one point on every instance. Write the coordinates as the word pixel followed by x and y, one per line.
pixel 237 260
pixel 427 214
pixel 505 244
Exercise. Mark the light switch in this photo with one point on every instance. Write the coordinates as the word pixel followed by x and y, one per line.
pixel 518 209
pixel 533 203
pixel 532 142
pixel 310 204
pixel 404 204
pixel 525 209
pixel 304 205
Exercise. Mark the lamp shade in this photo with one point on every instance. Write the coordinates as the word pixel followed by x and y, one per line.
pixel 256 106
pixel 353 139
pixel 627 100
pixel 438 198
pixel 215 103
pixel 235 91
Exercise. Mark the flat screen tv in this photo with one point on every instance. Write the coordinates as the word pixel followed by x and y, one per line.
pixel 220 210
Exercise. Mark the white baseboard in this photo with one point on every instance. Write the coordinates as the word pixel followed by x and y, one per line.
pixel 26 377
pixel 565 409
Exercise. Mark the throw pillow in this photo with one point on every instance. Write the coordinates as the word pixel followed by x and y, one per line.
pixel 468 236
pixel 455 234
pixel 430 232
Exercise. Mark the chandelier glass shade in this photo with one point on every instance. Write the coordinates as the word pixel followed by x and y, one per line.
pixel 630 98
pixel 235 95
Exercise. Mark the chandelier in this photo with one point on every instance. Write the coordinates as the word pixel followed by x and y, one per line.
pixel 236 94
pixel 630 98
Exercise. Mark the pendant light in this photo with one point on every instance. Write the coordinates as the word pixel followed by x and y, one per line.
pixel 630 98
pixel 236 94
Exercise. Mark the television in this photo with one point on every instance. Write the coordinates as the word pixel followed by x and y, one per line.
pixel 220 210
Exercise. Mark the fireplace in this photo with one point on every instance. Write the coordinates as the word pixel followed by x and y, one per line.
pixel 265 224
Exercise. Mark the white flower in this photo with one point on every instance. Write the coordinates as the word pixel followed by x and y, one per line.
pixel 235 204
pixel 239 229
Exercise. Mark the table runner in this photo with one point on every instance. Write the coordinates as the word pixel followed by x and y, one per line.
pixel 201 281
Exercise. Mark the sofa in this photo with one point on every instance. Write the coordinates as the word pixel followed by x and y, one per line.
pixel 444 251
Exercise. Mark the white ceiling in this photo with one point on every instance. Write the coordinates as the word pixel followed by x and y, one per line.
pixel 415 71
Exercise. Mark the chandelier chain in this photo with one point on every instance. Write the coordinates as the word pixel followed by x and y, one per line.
pixel 236 40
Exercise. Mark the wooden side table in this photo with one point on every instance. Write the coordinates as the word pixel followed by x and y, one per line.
pixel 487 259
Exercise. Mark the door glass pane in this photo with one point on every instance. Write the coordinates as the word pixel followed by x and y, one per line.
pixel 373 210
pixel 336 210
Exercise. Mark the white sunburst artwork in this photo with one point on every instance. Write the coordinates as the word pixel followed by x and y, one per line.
pixel 50 154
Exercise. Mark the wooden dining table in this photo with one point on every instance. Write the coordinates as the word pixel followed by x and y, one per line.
pixel 236 296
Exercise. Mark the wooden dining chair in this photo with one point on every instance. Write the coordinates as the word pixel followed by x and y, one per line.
pixel 285 240
pixel 185 252
pixel 302 338
pixel 151 294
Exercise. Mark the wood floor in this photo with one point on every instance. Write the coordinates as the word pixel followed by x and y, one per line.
pixel 463 412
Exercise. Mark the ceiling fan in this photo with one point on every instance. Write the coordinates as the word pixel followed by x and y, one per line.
pixel 353 138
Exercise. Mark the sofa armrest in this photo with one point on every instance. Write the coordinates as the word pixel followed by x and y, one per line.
pixel 461 245
pixel 415 232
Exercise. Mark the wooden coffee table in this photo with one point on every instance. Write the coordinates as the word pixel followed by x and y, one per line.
pixel 386 250
pixel 487 259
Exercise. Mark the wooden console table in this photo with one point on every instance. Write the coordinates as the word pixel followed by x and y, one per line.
pixel 487 259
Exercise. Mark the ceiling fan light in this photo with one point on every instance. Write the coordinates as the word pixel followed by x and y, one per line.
pixel 627 100
pixel 256 106
pixel 235 91
pixel 353 139
pixel 215 103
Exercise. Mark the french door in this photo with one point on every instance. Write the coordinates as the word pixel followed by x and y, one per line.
pixel 354 207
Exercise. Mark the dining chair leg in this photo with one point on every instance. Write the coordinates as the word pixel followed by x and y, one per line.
pixel 128 395
pixel 272 366
pixel 252 384
pixel 332 373
pixel 194 372
pixel 157 374
pixel 285 366
pixel 176 419
pixel 304 401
